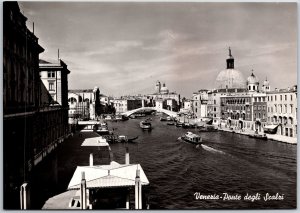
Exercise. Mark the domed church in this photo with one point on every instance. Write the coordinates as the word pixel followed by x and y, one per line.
pixel 230 78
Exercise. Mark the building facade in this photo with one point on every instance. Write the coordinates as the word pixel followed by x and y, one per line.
pixel 162 93
pixel 32 124
pixel 282 111
pixel 55 78
pixel 199 103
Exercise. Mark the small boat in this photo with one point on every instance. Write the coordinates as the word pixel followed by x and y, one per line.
pixel 258 136
pixel 179 124
pixel 192 138
pixel 122 139
pixel 162 119
pixel 145 125
pixel 108 117
pixel 118 117
pixel 187 125
pixel 169 118
pixel 170 123
pixel 103 129
pixel 132 116
pixel 207 128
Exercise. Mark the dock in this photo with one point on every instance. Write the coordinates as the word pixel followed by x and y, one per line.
pixel 102 183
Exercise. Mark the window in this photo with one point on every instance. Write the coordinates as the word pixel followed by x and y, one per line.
pixel 271 98
pixel 51 86
pixel 285 97
pixel 275 97
pixel 285 108
pixel 51 74
pixel 281 97
pixel 291 97
pixel 291 108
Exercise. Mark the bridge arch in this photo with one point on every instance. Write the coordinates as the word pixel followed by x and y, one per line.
pixel 168 112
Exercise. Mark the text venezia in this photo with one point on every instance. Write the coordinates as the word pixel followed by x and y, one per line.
pixel 232 197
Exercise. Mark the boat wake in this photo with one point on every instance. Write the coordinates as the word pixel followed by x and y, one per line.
pixel 210 149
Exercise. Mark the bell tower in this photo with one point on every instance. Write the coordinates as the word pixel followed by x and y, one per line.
pixel 230 60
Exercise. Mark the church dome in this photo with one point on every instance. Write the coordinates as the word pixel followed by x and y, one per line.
pixel 230 79
pixel 252 79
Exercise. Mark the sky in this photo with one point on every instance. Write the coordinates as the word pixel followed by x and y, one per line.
pixel 124 48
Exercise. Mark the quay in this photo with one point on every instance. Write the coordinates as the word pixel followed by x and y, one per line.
pixel 101 183
pixel 274 137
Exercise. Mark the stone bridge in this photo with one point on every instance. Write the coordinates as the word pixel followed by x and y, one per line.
pixel 168 112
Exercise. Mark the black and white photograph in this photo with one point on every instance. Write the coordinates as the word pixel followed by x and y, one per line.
pixel 149 105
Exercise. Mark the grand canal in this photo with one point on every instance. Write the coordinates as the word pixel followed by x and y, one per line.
pixel 225 163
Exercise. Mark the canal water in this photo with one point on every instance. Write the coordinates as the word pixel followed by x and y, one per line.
pixel 225 163
pixel 177 171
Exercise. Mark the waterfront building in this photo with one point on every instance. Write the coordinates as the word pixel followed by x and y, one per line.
pixel 123 104
pixel 33 125
pixel 54 76
pixel 259 104
pixel 160 104
pixel 187 106
pixel 162 92
pixel 199 103
pixel 84 103
pixel 236 110
pixel 282 110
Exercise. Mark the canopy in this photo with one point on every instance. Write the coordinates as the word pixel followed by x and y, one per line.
pixel 271 129
pixel 108 176
pixel 93 139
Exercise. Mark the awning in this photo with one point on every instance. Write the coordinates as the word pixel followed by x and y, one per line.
pixel 93 139
pixel 108 176
pixel 271 127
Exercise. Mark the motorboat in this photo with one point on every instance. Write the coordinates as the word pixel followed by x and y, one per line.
pixel 192 138
pixel 145 125
pixel 258 136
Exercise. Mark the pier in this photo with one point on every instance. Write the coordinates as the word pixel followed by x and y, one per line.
pixel 102 183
